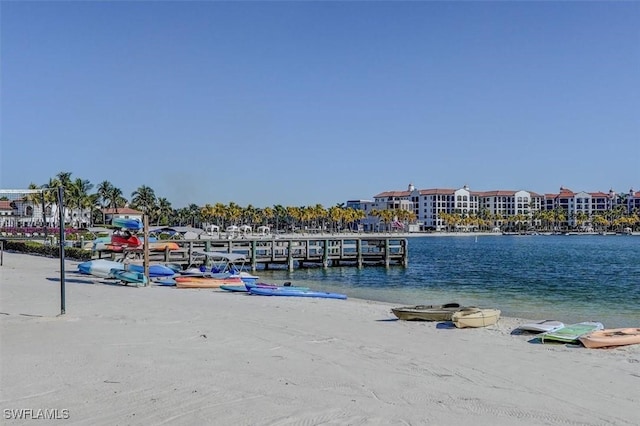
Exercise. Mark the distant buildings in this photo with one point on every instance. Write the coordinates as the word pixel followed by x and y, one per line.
pixel 410 210
pixel 431 206
pixel 23 213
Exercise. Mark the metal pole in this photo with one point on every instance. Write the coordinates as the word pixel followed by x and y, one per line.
pixel 44 217
pixel 145 249
pixel 62 283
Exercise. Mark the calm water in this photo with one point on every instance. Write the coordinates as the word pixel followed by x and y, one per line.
pixel 566 278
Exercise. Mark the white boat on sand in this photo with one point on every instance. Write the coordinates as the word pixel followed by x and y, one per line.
pixel 475 317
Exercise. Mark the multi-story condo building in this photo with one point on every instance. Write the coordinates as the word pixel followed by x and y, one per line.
pixel 499 206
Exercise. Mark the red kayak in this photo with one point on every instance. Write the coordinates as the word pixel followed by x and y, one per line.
pixel 125 241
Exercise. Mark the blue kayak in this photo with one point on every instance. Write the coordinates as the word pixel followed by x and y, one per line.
pixel 282 291
pixel 165 282
pixel 155 271
pixel 249 286
pixel 131 224
pixel 129 276
pixel 234 288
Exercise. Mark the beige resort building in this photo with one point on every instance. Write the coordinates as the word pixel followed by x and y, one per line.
pixel 430 205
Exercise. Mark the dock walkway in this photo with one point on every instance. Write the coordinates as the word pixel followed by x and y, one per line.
pixel 291 252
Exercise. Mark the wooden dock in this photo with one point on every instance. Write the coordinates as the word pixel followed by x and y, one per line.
pixel 292 253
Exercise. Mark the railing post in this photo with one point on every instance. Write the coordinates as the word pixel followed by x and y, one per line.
pixel 290 255
pixel 405 251
pixel 386 253
pixel 253 256
pixel 325 254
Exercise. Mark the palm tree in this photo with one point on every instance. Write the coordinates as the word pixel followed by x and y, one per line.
pixel 50 198
pixel 233 213
pixel 104 188
pixel 34 199
pixel 79 197
pixel 280 214
pixel 163 211
pixel 336 216
pixel 63 179
pixel 144 199
pixel 266 214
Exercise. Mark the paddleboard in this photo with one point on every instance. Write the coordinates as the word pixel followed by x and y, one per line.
pixel 571 333
pixel 541 326
pixel 261 291
pixel 275 287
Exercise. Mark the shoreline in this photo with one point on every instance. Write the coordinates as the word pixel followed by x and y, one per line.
pixel 151 355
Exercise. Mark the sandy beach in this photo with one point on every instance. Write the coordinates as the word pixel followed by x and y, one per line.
pixel 157 355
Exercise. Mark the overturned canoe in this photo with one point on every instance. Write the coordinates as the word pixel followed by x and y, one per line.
pixel 475 317
pixel 427 312
pixel 610 337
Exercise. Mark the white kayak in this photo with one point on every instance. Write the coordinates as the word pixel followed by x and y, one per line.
pixel 541 326
pixel 100 267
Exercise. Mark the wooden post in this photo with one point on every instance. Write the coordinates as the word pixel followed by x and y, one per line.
pixel 359 250
pixel 386 253
pixel 253 256
pixel 325 254
pixel 290 255
pixel 405 259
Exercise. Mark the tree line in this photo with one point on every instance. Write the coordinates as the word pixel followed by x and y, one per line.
pixel 79 195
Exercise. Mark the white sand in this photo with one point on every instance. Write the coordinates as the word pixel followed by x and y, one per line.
pixel 156 355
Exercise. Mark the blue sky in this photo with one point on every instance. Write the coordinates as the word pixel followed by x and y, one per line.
pixel 300 103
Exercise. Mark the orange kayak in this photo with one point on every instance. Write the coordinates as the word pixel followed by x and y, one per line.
pixel 206 282
pixel 611 337
pixel 162 246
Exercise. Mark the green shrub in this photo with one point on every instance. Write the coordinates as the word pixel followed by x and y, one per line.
pixel 32 247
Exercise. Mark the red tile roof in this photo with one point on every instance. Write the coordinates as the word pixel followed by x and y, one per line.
pixel 5 205
pixel 122 210
pixel 437 191
pixel 393 194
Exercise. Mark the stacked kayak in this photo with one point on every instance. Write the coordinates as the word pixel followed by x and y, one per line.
pixel 163 245
pixel 130 224
pixel 125 240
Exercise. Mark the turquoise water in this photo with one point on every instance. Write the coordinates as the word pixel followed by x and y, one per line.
pixel 566 278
